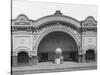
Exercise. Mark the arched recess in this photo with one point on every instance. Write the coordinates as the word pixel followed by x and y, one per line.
pixel 54 29
pixel 60 29
pixel 90 53
pixel 20 49
pixel 65 29
pixel 53 40
pixel 22 54
pixel 23 57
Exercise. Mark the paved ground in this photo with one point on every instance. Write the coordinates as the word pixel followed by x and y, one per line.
pixel 50 67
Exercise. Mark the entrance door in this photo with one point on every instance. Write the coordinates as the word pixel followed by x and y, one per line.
pixel 90 55
pixel 23 57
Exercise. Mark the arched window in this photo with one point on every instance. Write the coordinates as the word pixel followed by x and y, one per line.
pixel 90 55
pixel 23 57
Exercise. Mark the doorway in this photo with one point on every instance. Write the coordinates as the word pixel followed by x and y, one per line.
pixel 23 58
pixel 90 55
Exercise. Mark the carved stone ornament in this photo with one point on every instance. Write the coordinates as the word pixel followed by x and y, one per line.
pixel 58 12
pixel 89 21
pixel 22 20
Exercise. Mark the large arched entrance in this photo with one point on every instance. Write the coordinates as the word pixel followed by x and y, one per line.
pixel 90 55
pixel 53 40
pixel 23 57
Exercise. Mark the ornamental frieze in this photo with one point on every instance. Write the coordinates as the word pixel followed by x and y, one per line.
pixel 35 37
pixel 57 24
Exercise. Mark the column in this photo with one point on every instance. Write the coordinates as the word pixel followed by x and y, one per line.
pixel 80 54
pixel 30 60
pixel 79 58
pixel 83 58
pixel 34 55
pixel 95 57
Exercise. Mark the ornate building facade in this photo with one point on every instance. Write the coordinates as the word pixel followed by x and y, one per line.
pixel 34 42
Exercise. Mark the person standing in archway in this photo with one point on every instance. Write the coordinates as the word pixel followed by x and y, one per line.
pixel 59 57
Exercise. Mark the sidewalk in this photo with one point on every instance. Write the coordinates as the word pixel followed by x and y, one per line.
pixel 51 66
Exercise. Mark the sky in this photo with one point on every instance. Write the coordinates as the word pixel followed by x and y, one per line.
pixel 35 10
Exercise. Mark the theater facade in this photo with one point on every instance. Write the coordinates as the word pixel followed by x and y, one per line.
pixel 35 41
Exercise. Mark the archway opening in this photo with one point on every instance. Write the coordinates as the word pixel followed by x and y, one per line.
pixel 23 57
pixel 53 40
pixel 90 55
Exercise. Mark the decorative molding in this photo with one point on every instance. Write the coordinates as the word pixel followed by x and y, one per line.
pixel 94 48
pixel 22 20
pixel 58 12
pixel 89 21
pixel 57 24
pixel 19 49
